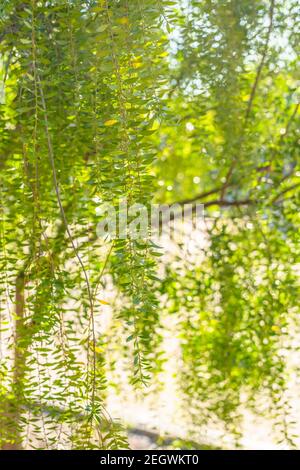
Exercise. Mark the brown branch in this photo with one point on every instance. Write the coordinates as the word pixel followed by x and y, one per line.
pixel 10 418
pixel 199 196
pixel 253 92
pixel 224 203
pixel 284 191
pixel 287 128
pixel 283 136
pixel 261 169
pixel 262 62
pixel 214 202
pixel 237 203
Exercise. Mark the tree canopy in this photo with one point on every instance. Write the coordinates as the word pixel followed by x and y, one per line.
pixel 192 101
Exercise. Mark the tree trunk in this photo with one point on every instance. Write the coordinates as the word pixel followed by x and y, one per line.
pixel 10 418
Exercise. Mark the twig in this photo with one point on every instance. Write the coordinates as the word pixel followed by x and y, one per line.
pixel 284 191
pixel 253 92
pixel 262 62
pixel 199 196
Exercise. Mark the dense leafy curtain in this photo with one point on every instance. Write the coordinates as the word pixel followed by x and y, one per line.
pixel 109 100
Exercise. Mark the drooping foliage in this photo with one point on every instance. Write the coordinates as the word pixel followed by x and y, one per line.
pixel 234 106
pixel 111 100
pixel 81 82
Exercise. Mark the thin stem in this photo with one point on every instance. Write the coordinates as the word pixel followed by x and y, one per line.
pixel 63 215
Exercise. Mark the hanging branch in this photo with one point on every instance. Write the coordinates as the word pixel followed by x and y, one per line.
pixel 63 215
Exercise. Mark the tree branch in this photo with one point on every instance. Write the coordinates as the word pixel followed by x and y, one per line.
pixel 284 191
pixel 253 91
pixel 199 196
